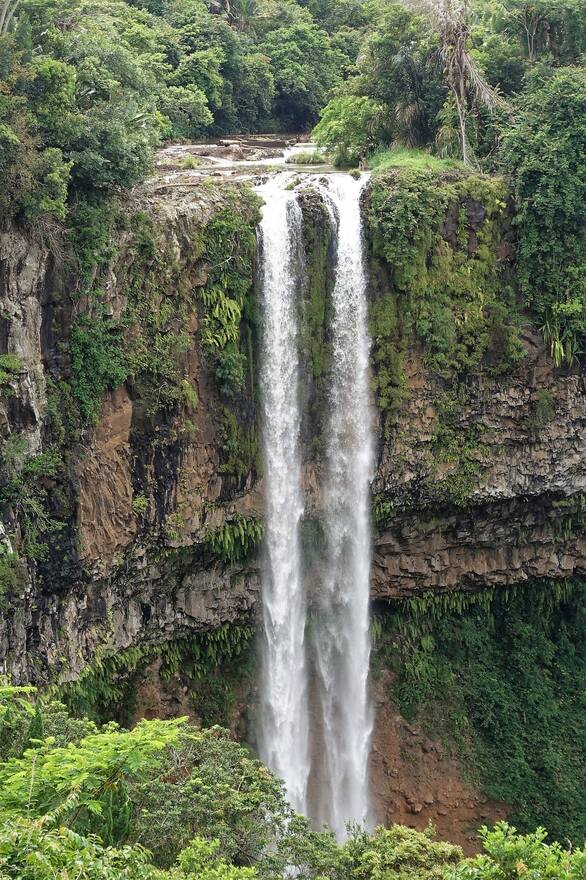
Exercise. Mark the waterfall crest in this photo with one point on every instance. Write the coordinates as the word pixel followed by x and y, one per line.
pixel 284 735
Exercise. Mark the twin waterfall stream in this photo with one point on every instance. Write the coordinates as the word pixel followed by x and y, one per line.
pixel 315 715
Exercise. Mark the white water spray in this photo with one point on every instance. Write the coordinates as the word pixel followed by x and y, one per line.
pixel 341 638
pixel 342 642
pixel 284 735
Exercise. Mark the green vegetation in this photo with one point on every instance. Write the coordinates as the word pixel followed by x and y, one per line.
pixel 498 85
pixel 351 126
pixel 384 158
pixel 315 310
pixel 84 105
pixel 212 662
pixel 97 364
pixel 438 232
pixel 230 246
pixel 310 157
pixel 472 117
pixel 10 368
pixel 501 677
pixel 544 138
pixel 24 487
pixel 236 540
pixel 165 801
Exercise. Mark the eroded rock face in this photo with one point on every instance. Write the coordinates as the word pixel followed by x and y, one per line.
pixel 138 492
pixel 159 601
pixel 24 267
pixel 523 518
pixel 131 565
pixel 415 781
pixel 105 518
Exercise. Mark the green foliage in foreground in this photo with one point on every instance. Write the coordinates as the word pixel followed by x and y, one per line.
pixel 508 854
pixel 165 801
pixel 501 675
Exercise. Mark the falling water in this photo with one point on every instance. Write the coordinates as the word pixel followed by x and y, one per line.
pixel 284 715
pixel 341 634
pixel 341 643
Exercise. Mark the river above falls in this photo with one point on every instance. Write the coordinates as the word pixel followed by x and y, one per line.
pixel 241 157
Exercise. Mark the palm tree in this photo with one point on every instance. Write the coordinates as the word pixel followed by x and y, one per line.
pixel 449 20
pixel 7 10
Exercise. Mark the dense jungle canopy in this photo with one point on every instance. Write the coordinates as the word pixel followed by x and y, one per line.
pixel 89 88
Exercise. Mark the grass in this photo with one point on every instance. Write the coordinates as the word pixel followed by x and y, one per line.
pixel 311 157
pixel 189 162
pixel 402 157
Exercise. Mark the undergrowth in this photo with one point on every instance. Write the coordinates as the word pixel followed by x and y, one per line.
pixel 212 662
pixel 437 235
pixel 501 676
pixel 403 157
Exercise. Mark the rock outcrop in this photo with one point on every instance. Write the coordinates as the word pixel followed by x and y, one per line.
pixel 140 492
pixel 524 516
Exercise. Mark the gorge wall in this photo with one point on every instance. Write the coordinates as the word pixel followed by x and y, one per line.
pixel 481 466
pixel 131 491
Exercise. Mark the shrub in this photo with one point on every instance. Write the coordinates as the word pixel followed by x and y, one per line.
pixel 350 127
pixel 98 363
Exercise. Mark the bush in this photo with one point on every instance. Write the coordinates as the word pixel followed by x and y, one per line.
pixel 350 127
pixel 509 855
pixel 97 364
pixel 543 153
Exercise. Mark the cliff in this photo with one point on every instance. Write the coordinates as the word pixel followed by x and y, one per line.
pixel 122 500
pixel 132 509
pixel 131 482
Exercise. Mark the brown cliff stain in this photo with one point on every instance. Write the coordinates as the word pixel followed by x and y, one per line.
pixel 415 781
pixel 155 697
pixel 105 518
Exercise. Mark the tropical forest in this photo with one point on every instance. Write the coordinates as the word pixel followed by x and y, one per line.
pixel 292 439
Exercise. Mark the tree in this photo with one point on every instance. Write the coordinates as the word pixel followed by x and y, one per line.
pixel 7 11
pixel 464 79
pixel 305 68
pixel 542 151
pixel 254 90
pixel 556 28
pixel 397 66
pixel 351 126
pixel 508 855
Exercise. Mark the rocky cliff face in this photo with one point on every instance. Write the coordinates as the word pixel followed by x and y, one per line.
pixel 131 511
pixel 523 518
pixel 480 480
pixel 135 496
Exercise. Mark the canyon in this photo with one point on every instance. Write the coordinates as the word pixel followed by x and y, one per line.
pixel 474 489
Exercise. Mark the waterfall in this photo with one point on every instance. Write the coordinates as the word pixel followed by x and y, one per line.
pixel 342 643
pixel 284 745
pixel 340 633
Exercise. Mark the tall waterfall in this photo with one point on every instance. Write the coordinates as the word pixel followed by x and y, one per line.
pixel 342 642
pixel 284 735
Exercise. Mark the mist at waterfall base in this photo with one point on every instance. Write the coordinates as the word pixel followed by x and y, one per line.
pixel 319 747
